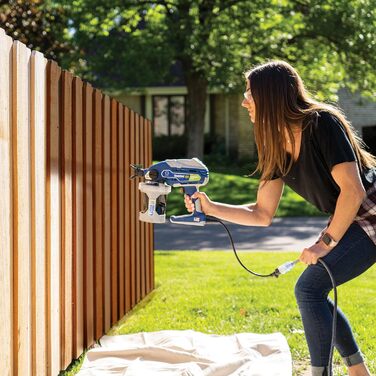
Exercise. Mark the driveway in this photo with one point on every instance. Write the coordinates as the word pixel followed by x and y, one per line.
pixel 285 234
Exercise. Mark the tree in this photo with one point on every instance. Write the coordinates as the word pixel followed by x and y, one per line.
pixel 126 43
pixel 40 28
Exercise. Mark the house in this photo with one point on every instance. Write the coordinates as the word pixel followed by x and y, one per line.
pixel 226 120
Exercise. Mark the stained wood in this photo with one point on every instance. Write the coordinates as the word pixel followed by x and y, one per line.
pixel 38 142
pixel 107 225
pixel 78 220
pixel 6 217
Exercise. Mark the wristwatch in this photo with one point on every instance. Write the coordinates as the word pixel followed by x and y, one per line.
pixel 328 240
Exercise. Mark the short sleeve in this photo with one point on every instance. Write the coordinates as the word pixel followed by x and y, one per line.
pixel 332 140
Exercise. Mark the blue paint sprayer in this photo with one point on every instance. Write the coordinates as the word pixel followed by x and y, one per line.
pixel 188 174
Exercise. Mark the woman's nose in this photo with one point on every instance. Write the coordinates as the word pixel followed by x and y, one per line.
pixel 245 103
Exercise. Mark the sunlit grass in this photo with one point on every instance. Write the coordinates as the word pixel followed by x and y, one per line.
pixel 211 293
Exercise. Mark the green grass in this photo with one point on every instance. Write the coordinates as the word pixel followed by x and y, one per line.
pixel 211 293
pixel 231 187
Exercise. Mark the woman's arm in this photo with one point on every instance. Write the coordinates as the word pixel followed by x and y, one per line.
pixel 259 213
pixel 351 196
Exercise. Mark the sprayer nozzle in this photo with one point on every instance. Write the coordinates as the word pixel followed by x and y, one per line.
pixel 138 171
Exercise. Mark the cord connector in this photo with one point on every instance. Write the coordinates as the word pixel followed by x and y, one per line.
pixel 285 268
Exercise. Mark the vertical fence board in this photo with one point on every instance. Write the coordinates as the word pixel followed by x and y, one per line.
pixel 54 215
pixel 107 212
pixel 114 212
pixel 127 209
pixel 22 209
pixel 38 204
pixel 142 224
pixel 121 271
pixel 148 225
pixel 6 220
pixel 98 219
pixel 67 217
pixel 133 210
pixel 138 208
pixel 88 215
pixel 151 234
pixel 78 221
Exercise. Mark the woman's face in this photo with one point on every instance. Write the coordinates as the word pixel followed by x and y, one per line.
pixel 249 103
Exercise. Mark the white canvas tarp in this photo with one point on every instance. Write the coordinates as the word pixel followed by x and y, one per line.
pixel 189 353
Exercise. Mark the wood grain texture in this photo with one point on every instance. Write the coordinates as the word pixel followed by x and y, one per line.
pixel 107 211
pixel 151 234
pixel 22 209
pixel 114 211
pixel 98 213
pixel 38 143
pixel 78 219
pixel 133 210
pixel 6 219
pixel 53 206
pixel 121 214
pixel 88 176
pixel 127 209
pixel 142 224
pixel 66 132
pixel 137 198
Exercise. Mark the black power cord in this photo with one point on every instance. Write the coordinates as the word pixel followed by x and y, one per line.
pixel 284 269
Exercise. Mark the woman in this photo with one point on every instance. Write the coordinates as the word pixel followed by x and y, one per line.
pixel 311 147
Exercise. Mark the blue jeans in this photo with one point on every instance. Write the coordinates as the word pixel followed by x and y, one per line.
pixel 353 255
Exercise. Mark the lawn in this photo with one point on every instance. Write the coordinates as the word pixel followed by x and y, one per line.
pixel 211 293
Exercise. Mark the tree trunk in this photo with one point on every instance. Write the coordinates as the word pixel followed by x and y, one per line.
pixel 196 86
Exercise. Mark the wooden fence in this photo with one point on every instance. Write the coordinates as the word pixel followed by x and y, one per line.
pixel 73 256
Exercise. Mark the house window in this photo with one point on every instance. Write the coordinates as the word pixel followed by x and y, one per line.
pixel 169 115
pixel 369 137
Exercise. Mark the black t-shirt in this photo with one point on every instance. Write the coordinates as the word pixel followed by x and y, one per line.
pixel 324 144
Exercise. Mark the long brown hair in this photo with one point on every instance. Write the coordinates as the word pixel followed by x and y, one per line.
pixel 282 103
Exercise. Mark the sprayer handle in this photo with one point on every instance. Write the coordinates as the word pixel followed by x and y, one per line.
pixel 197 218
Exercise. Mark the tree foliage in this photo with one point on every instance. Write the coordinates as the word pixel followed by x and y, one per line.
pixel 40 28
pixel 207 43
pixel 133 43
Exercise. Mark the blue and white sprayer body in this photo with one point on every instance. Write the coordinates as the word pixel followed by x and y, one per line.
pixel 188 174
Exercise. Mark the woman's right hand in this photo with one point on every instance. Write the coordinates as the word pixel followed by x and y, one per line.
pixel 205 202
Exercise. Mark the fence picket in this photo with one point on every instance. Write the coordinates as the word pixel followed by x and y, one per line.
pixel 127 208
pixel 67 211
pixel 98 219
pixel 38 208
pixel 107 212
pixel 6 217
pixel 22 209
pixel 120 174
pixel 142 224
pixel 133 211
pixel 88 134
pixel 53 204
pixel 114 211
pixel 78 220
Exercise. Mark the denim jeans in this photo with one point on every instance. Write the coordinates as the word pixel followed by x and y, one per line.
pixel 353 255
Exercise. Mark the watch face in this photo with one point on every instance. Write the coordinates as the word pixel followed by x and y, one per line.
pixel 326 239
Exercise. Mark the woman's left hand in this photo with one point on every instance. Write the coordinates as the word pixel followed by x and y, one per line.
pixel 313 253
